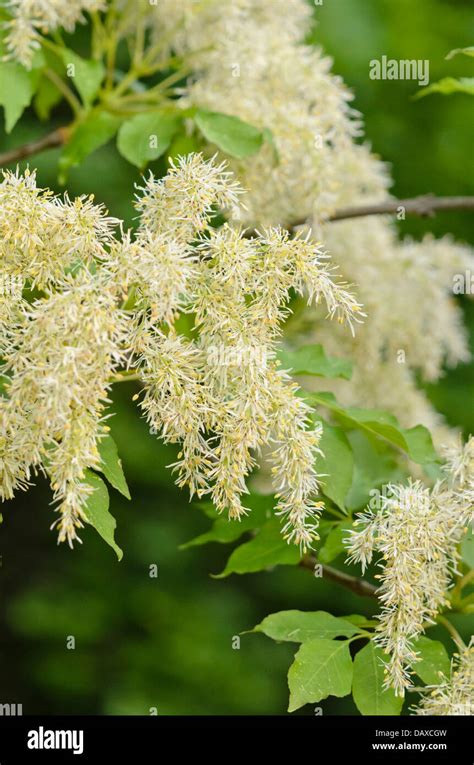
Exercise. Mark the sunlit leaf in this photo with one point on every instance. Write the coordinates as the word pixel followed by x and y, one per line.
pixel 267 549
pixel 370 697
pixel 145 137
pixel 299 626
pixel 231 134
pixel 87 75
pixel 433 661
pixel 449 85
pixel 312 360
pixel 111 465
pixel 321 668
pixel 97 511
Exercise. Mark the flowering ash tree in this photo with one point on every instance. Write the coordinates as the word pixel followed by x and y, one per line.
pixel 260 256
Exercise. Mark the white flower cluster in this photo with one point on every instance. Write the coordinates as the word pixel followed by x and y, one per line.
pixel 108 302
pixel 250 61
pixel 30 17
pixel 58 351
pixel 415 325
pixel 416 532
pixel 238 290
pixel 454 695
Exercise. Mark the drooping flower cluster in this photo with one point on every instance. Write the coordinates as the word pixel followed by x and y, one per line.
pixel 43 236
pixel 61 355
pixel 460 465
pixel 416 532
pixel 59 350
pixel 107 303
pixel 249 60
pixel 221 394
pixel 415 326
pixel 32 16
pixel 453 695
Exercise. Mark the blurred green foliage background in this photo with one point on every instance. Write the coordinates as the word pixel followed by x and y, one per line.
pixel 166 642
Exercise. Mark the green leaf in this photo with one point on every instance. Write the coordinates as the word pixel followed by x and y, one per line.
pixel 449 85
pixel 182 145
pixel 377 423
pixel 87 75
pixel 267 549
pixel 17 87
pixel 469 51
pixel 333 545
pixel 369 694
pixel 419 444
pixel 321 668
pixel 300 626
pixel 360 621
pixel 336 465
pixel 374 466
pixel 97 511
pixel 46 98
pixel 95 131
pixel 467 548
pixel 312 360
pixel 434 661
pixel 226 531
pixel 232 135
pixel 146 137
pixel 111 465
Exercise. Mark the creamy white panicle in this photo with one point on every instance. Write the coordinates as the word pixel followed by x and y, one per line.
pixel 111 302
pixel 223 397
pixel 415 325
pixel 416 533
pixel 454 694
pixel 31 17
pixel 250 60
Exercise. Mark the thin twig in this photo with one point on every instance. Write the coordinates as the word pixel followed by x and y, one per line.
pixel 467 579
pixel 359 586
pixel 59 83
pixel 426 205
pixel 52 140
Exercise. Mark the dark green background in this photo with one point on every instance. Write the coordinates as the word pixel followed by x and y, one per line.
pixel 167 642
